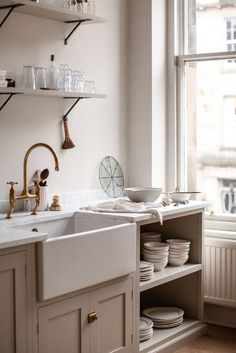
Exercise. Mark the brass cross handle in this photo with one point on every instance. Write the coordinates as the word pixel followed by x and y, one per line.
pixel 12 183
pixel 92 317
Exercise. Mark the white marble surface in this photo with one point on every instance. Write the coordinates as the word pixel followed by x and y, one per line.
pixel 10 236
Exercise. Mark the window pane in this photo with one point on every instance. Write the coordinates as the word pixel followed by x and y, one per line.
pixel 210 137
pixel 211 25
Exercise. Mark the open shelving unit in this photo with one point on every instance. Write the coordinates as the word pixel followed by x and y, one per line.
pixel 179 286
pixel 169 274
pixel 49 12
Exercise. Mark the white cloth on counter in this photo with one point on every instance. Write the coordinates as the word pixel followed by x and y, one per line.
pixel 124 206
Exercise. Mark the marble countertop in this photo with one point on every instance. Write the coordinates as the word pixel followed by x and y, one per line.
pixel 11 236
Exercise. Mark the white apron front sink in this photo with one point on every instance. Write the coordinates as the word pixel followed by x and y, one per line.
pixel 82 251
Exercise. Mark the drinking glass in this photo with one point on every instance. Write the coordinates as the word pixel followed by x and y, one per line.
pixel 89 87
pixel 28 77
pixel 78 80
pixel 40 77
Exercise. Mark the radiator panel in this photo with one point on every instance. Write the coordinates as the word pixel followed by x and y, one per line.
pixel 220 271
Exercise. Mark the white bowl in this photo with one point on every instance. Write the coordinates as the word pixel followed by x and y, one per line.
pixel 159 266
pixel 179 196
pixel 155 258
pixel 178 242
pixel 156 246
pixel 139 194
pixel 177 261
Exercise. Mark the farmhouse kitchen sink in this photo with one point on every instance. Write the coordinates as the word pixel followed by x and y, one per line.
pixel 82 251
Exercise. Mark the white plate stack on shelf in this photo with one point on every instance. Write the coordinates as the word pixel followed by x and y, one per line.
pixel 3 82
pixel 179 251
pixel 146 271
pixel 147 237
pixel 156 253
pixel 145 329
pixel 164 317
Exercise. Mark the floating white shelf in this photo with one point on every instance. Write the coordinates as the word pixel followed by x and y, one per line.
pixel 49 93
pixel 169 274
pixel 162 338
pixel 50 12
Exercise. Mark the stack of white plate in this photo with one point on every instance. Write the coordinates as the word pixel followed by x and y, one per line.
pixel 145 329
pixel 146 271
pixel 3 82
pixel 179 251
pixel 148 237
pixel 157 253
pixel 165 317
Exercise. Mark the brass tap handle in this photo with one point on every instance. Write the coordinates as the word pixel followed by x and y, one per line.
pixel 12 183
pixel 37 197
pixel 92 317
pixel 11 199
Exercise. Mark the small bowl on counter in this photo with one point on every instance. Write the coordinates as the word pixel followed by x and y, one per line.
pixel 180 196
pixel 140 194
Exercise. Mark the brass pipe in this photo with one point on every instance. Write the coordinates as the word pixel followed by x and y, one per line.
pixel 25 192
pixel 25 195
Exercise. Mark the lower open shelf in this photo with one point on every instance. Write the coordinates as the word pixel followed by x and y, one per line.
pixel 170 273
pixel 163 338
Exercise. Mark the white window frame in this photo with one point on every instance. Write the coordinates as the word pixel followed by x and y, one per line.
pixel 177 59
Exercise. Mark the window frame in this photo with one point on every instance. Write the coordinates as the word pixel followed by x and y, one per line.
pixel 178 28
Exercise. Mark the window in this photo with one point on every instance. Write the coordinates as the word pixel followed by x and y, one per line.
pixel 206 102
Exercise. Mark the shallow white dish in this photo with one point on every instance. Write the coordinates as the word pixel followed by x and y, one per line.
pixel 145 323
pixel 140 194
pixel 163 314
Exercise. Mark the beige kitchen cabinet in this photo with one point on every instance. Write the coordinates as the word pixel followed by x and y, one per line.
pixel 13 303
pixel 99 321
pixel 62 326
pixel 112 331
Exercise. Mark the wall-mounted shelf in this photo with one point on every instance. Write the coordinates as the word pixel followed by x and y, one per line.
pixel 10 92
pixel 49 12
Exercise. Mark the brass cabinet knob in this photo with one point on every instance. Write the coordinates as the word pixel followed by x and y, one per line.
pixel 92 317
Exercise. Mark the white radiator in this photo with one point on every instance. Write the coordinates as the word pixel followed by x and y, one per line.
pixel 220 268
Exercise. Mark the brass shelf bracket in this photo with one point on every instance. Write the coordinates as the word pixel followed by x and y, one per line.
pixel 10 9
pixel 78 23
pixel 7 100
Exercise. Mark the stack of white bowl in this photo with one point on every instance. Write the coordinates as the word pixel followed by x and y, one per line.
pixel 146 271
pixel 145 329
pixel 147 237
pixel 157 253
pixel 165 317
pixel 179 251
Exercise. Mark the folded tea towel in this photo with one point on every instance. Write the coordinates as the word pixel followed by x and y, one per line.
pixel 124 206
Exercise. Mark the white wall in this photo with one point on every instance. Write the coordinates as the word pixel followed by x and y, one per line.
pixel 98 127
pixel 147 92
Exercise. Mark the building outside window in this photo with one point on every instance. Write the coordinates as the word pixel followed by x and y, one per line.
pixel 207 102
pixel 231 35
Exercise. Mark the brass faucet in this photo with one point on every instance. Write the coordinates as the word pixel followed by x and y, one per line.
pixel 25 195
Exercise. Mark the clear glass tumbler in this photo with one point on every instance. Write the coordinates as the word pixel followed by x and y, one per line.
pixel 28 77
pixel 40 77
pixel 89 87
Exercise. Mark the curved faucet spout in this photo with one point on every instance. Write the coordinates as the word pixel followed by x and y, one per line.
pixel 25 191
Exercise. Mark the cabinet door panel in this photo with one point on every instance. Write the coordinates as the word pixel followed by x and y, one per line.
pixel 63 326
pixel 112 331
pixel 13 309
